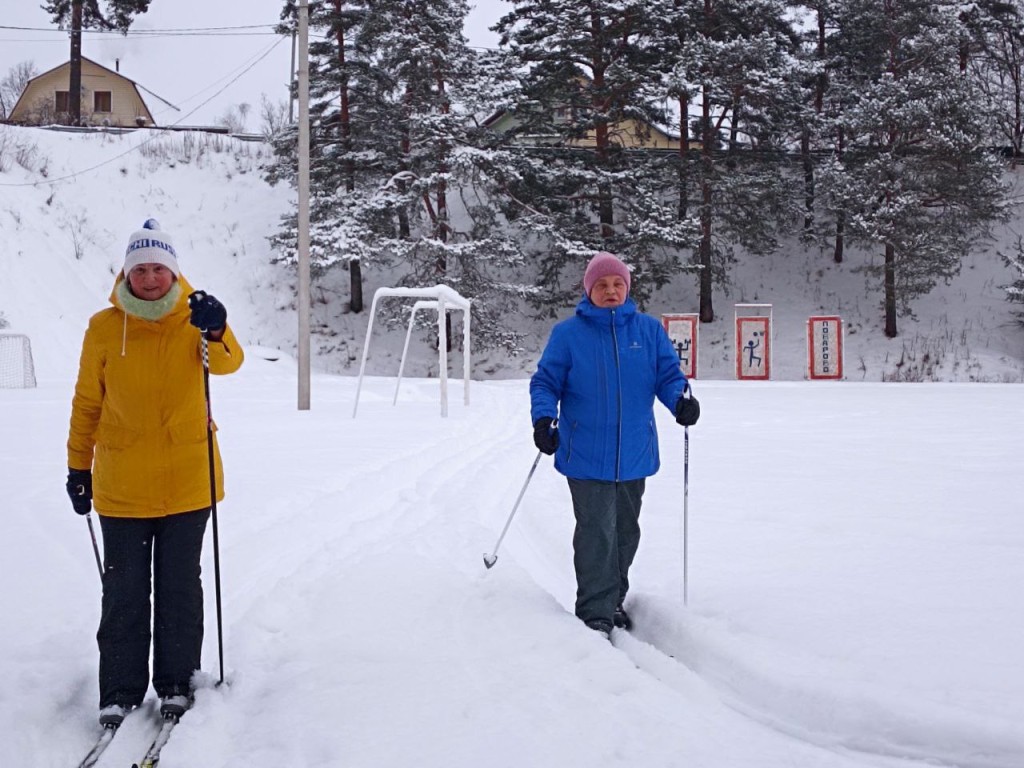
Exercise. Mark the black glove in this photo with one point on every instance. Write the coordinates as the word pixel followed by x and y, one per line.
pixel 544 436
pixel 79 487
pixel 208 314
pixel 687 410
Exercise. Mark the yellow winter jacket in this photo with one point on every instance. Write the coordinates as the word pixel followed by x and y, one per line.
pixel 139 415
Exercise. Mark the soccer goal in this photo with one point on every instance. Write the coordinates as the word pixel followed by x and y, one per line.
pixel 440 298
pixel 16 368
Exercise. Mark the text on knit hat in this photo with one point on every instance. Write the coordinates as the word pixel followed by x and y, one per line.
pixel 151 245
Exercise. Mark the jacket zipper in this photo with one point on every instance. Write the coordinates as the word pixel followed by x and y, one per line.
pixel 618 397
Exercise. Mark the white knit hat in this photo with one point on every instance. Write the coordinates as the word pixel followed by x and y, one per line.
pixel 151 245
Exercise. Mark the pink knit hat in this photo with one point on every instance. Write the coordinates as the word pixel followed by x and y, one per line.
pixel 603 265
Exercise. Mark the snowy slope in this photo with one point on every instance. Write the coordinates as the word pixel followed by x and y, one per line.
pixel 64 232
pixel 855 549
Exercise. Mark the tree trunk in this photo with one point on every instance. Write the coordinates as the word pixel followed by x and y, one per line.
pixel 837 251
pixel 355 273
pixel 890 290
pixel 805 140
pixel 707 311
pixel 605 209
pixel 355 270
pixel 75 85
pixel 684 157
pixel 345 116
pixel 805 152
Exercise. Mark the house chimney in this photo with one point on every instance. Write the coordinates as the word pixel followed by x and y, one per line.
pixel 117 65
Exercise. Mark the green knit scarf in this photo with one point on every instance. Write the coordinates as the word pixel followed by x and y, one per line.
pixel 147 310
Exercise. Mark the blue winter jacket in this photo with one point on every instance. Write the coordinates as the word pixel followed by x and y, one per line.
pixel 599 375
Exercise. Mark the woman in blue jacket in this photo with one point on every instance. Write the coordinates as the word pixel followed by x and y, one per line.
pixel 597 380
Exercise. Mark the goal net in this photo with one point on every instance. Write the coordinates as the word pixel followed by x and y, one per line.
pixel 16 369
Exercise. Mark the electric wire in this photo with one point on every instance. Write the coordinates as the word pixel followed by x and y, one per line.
pixel 86 31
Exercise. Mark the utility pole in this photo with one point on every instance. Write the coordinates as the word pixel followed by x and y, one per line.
pixel 75 86
pixel 303 212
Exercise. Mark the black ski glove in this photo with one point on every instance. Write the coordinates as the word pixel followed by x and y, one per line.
pixel 79 487
pixel 687 410
pixel 545 437
pixel 208 314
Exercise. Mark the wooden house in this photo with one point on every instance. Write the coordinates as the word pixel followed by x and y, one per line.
pixel 626 134
pixel 108 98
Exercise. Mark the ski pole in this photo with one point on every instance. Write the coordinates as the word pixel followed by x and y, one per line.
pixel 490 560
pixel 196 296
pixel 95 546
pixel 686 511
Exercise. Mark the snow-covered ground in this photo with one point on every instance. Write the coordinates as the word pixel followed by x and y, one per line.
pixel 856 556
pixel 855 549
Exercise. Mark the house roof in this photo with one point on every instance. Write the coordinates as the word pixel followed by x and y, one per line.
pixel 84 58
pixel 115 73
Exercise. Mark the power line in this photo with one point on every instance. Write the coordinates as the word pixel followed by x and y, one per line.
pixel 244 67
pixel 139 31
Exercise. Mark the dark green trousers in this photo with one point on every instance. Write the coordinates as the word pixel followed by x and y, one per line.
pixel 604 543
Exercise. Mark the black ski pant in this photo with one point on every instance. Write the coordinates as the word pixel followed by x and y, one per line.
pixel 170 549
pixel 604 543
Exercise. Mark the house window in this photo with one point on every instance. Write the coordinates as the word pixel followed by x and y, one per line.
pixel 101 101
pixel 62 102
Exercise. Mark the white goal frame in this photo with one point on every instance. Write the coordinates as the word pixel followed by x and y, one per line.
pixel 440 298
pixel 21 352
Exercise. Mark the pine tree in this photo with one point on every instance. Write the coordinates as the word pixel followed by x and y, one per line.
pixel 587 75
pixel 396 181
pixel 914 176
pixel 735 62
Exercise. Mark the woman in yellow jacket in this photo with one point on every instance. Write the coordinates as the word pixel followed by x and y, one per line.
pixel 137 451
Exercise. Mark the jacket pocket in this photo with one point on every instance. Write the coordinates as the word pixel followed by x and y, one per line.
pixel 115 436
pixel 188 432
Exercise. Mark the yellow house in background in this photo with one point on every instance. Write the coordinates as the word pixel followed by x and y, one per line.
pixel 108 98
pixel 626 134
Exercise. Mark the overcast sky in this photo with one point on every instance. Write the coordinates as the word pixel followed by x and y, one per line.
pixel 202 74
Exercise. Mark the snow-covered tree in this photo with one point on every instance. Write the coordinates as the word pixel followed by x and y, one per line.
pixel 395 178
pixel 914 178
pixel 733 63
pixel 98 14
pixel 587 77
pixel 994 57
